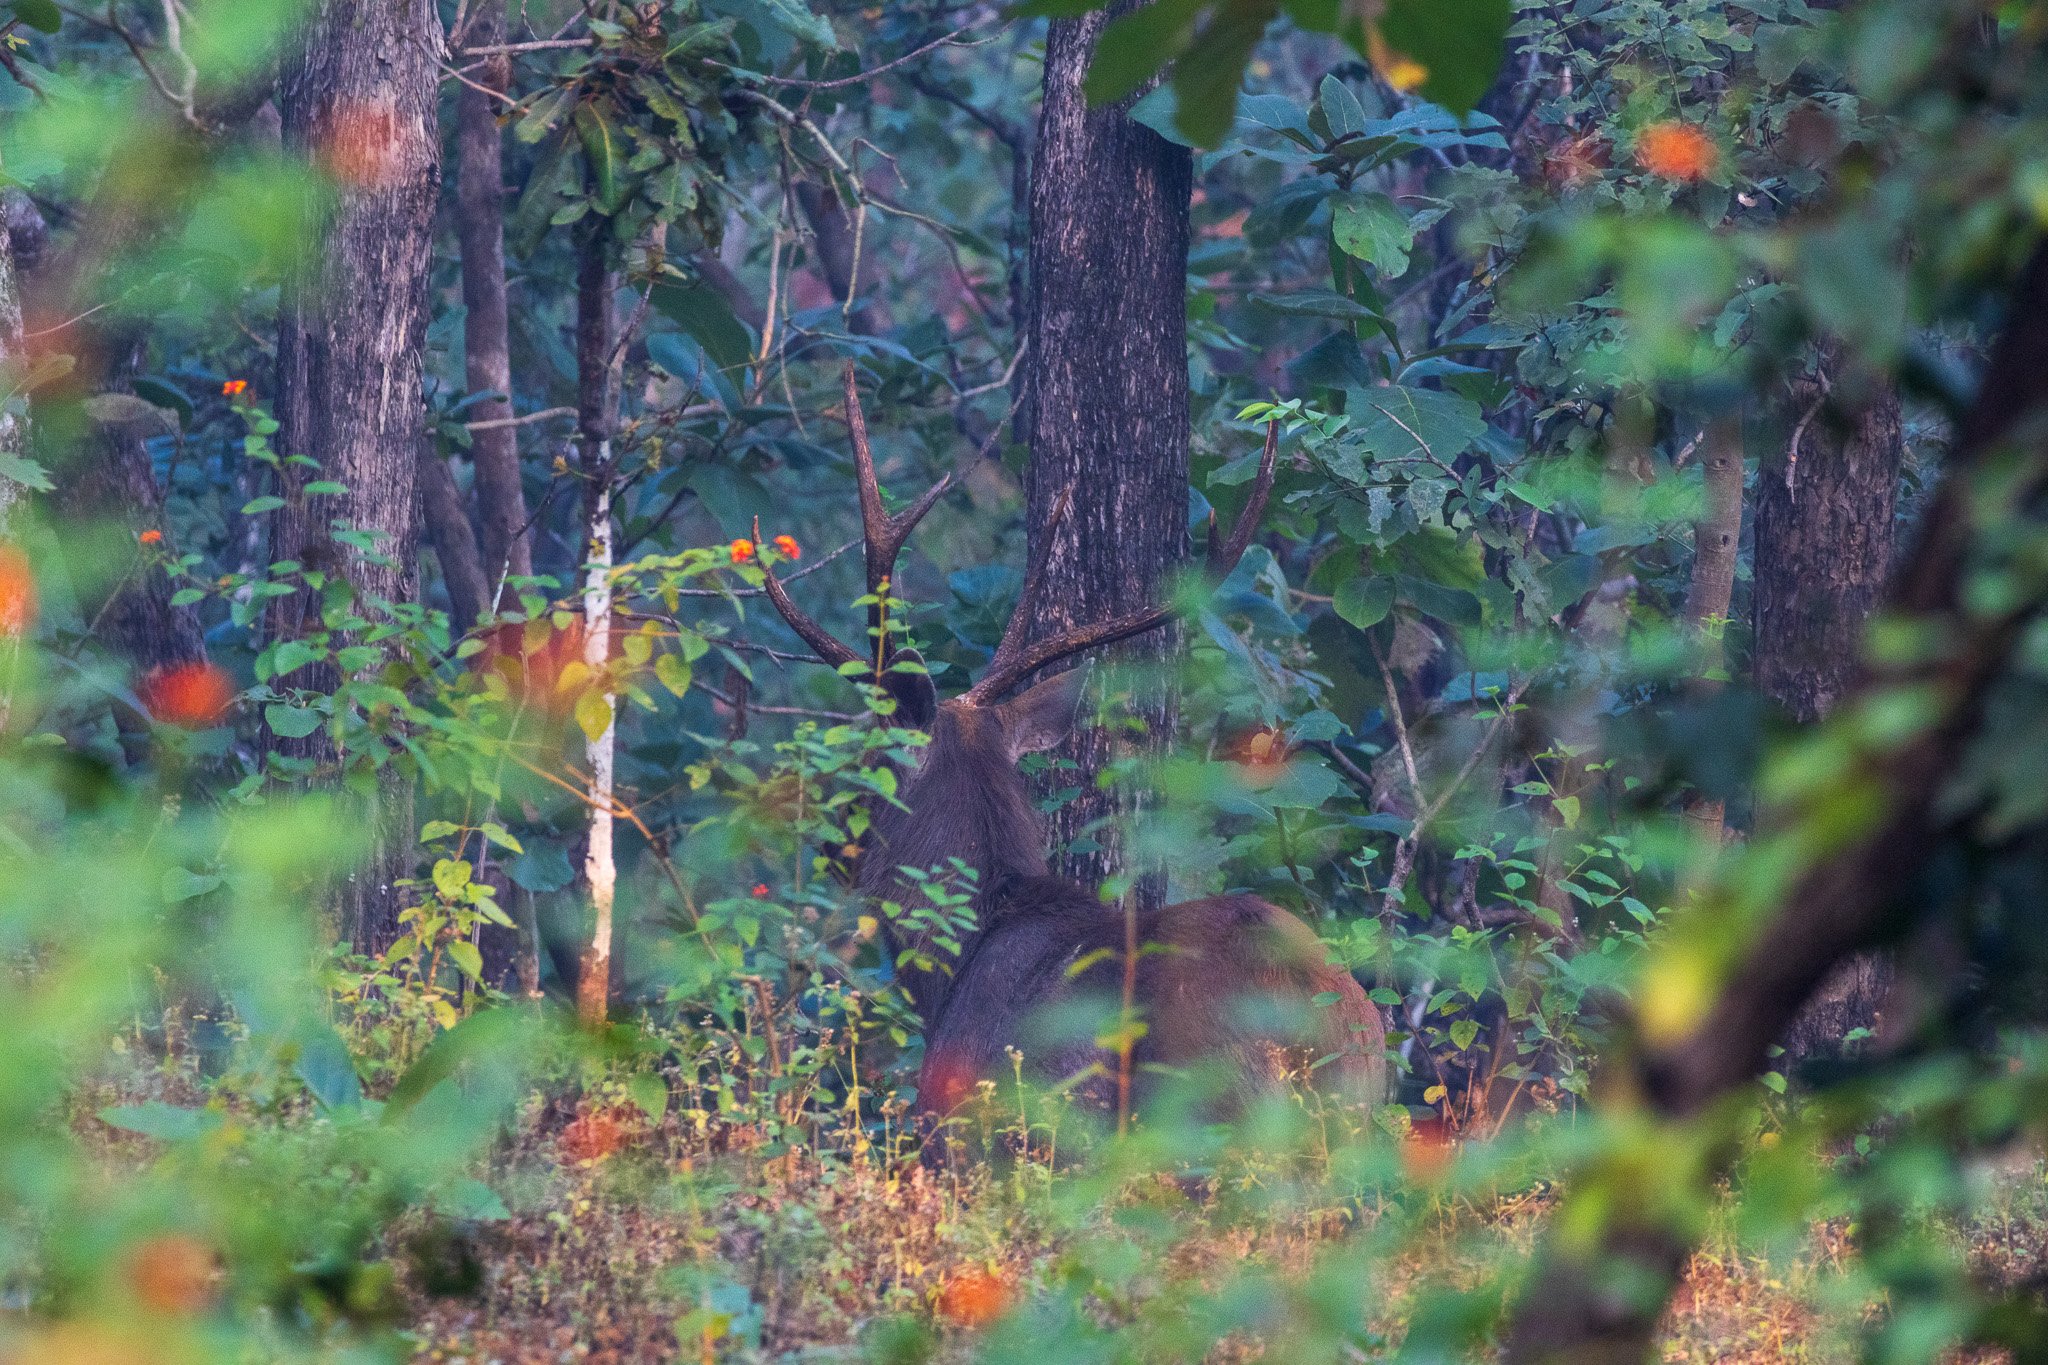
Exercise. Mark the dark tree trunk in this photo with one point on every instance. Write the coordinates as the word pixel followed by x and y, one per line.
pixel 446 518
pixel 105 480
pixel 504 540
pixel 1597 1301
pixel 111 483
pixel 833 231
pixel 1717 543
pixel 1824 536
pixel 358 101
pixel 1107 397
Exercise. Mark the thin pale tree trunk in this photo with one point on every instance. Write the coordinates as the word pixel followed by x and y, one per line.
pixel 596 401
pixel 1717 540
pixel 13 360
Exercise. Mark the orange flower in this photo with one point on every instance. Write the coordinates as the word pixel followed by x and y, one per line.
pixel 787 547
pixel 234 388
pixel 761 891
pixel 17 592
pixel 173 1273
pixel 973 1298
pixel 593 1137
pixel 195 696
pixel 742 551
pixel 151 537
pixel 1677 151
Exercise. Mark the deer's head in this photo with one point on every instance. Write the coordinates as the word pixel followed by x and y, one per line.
pixel 964 797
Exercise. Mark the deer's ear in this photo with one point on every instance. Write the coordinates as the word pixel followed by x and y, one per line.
pixel 917 701
pixel 1044 715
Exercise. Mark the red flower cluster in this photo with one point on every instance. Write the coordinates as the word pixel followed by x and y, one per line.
pixel 151 537
pixel 741 551
pixel 234 388
pixel 973 1298
pixel 195 696
pixel 1677 151
pixel 17 592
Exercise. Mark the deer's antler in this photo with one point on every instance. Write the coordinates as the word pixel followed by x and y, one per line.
pixel 1015 661
pixel 883 535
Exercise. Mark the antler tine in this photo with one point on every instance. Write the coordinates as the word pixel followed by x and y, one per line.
pixel 1004 673
pixel 885 535
pixel 1034 580
pixel 823 643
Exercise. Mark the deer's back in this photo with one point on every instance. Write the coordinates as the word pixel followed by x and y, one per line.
pixel 1229 983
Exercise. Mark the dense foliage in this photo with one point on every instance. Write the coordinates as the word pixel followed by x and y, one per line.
pixel 322 821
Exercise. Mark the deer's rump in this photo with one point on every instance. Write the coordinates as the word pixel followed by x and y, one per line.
pixel 1226 987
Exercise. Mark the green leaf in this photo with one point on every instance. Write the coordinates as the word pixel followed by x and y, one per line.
pixel 452 877
pixel 1370 227
pixel 438 829
pixel 180 885
pixel 1313 303
pixel 1567 810
pixel 651 1094
pixel 269 502
pixel 39 14
pixel 291 656
pixel 602 154
pixel 593 715
pixel 469 1198
pixel 1464 1033
pixel 1460 42
pixel 1208 75
pixel 164 1122
pixel 1398 423
pixel 1134 47
pixel 707 316
pixel 293 722
pixel 796 19
pixel 467 959
pixel 22 470
pixel 673 673
pixel 1364 600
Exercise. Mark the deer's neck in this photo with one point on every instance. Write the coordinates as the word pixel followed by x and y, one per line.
pixel 958 806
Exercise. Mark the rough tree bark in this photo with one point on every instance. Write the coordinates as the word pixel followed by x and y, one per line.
pixel 1596 1295
pixel 105 479
pixel 1717 541
pixel 358 101
pixel 1107 395
pixel 596 402
pixel 504 540
pixel 446 517
pixel 1825 507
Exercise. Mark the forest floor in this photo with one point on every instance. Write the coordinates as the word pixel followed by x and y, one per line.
pixel 632 1241
pixel 642 1246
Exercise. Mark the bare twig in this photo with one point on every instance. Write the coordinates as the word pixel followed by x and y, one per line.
pixel 542 416
pixel 842 82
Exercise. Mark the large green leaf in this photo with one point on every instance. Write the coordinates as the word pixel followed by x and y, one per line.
pixel 1371 227
pixel 1399 423
pixel 1459 42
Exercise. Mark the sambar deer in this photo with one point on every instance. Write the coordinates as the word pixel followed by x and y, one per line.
pixel 1227 982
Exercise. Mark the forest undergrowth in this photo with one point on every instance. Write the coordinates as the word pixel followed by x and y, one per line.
pixel 692 1236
